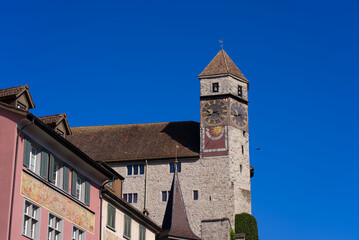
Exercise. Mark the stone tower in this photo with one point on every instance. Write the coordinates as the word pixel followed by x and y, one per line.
pixel 224 128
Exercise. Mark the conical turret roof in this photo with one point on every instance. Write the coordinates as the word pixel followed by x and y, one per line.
pixel 175 222
pixel 222 64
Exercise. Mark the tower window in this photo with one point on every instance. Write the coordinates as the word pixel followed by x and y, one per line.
pixel 242 149
pixel 215 87
pixel 195 194
pixel 240 91
pixel 240 168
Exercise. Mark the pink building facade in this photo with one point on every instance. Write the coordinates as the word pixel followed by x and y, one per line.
pixel 50 189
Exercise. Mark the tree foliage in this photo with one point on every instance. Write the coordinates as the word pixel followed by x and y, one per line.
pixel 246 223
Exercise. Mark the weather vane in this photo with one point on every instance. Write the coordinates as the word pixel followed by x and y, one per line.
pixel 221 43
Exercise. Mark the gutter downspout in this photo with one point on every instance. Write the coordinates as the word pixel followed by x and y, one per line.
pixel 14 175
pixel 145 212
pixel 101 199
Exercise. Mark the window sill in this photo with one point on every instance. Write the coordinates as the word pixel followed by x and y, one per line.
pixel 57 189
pixel 112 229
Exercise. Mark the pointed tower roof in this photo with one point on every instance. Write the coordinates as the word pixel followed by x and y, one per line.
pixel 222 64
pixel 175 222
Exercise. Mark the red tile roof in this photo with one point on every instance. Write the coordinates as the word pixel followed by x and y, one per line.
pixel 138 141
pixel 222 64
pixel 13 91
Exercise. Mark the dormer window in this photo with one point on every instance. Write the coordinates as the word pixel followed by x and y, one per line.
pixel 240 91
pixel 20 105
pixel 215 87
pixel 58 131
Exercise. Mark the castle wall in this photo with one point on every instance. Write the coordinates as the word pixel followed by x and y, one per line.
pixel 210 176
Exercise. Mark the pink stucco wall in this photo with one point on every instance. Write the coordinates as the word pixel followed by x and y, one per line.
pixel 8 134
pixel 8 121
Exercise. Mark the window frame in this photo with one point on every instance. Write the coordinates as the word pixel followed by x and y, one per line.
pixel 142 232
pixel 111 223
pixel 240 91
pixel 214 85
pixel 127 227
pixel 53 228
pixel 195 195
pixel 77 231
pixel 28 219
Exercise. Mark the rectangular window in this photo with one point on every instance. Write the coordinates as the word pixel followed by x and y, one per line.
pixel 240 91
pixel 127 227
pixel 31 220
pixel 78 234
pixel 54 228
pixel 215 87
pixel 195 194
pixel 125 196
pixel 142 233
pixel 135 170
pixel 56 172
pixel 111 216
pixel 142 169
pixel 33 158
pixel 129 169
pixel 164 196
pixel 130 198
pixel 135 198
pixel 80 188
pixel 172 167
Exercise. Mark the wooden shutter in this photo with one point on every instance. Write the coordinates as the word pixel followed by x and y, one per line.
pixel 73 183
pixel 51 168
pixel 43 164
pixel 27 149
pixel 87 193
pixel 66 178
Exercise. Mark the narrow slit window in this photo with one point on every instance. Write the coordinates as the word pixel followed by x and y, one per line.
pixel 195 194
pixel 215 87
pixel 240 91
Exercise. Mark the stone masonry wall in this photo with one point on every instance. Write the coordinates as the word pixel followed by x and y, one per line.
pixel 227 85
pixel 215 230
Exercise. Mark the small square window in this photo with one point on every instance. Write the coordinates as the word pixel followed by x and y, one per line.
pixel 31 220
pixel 195 194
pixel 78 234
pixel 54 228
pixel 215 87
pixel 164 196
pixel 240 91
pixel 172 167
pixel 142 169
pixel 129 169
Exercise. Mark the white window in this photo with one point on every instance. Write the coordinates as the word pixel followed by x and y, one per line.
pixel 54 228
pixel 80 188
pixel 31 220
pixel 79 191
pixel 78 234
pixel 34 159
pixel 57 173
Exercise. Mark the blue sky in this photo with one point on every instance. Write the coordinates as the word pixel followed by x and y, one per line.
pixel 118 62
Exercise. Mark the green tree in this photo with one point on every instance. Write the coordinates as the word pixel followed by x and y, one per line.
pixel 246 223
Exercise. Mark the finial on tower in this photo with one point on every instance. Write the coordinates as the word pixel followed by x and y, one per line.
pixel 221 43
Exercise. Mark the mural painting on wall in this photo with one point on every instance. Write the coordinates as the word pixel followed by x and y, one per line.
pixel 57 203
pixel 215 143
pixel 110 236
